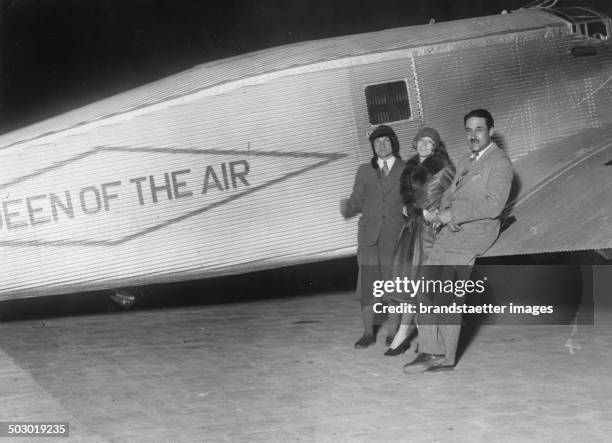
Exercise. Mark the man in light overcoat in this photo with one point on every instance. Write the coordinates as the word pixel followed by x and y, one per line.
pixel 469 215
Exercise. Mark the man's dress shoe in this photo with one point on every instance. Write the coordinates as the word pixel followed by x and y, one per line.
pixel 365 341
pixel 421 358
pixel 438 366
pixel 422 362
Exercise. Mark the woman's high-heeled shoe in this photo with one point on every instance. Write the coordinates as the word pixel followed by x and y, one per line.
pixel 401 348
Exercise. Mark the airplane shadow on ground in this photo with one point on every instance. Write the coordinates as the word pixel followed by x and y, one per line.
pixel 337 275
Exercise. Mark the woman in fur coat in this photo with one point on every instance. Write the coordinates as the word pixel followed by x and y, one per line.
pixel 424 179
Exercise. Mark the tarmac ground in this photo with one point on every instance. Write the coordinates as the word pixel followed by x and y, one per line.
pixel 284 369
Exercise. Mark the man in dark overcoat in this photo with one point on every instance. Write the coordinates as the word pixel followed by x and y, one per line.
pixel 376 197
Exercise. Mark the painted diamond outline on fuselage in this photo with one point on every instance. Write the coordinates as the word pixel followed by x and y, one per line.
pixel 325 158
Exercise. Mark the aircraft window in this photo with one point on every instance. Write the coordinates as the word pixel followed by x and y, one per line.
pixel 597 30
pixel 387 102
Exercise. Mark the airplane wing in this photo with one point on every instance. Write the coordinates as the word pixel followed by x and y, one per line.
pixel 564 198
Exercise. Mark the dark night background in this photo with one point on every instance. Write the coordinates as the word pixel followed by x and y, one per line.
pixel 57 55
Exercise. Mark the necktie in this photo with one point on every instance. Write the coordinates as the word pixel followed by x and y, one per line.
pixel 385 168
pixel 474 156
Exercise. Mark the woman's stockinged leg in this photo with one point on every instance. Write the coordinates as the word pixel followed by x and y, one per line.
pixel 404 331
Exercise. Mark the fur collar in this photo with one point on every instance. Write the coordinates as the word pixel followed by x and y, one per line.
pixel 416 174
pixel 432 164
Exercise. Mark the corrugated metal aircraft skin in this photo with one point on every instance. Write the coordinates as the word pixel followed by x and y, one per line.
pixel 573 193
pixel 532 103
pixel 240 164
pixel 251 176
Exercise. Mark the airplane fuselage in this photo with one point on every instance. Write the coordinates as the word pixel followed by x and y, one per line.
pixel 240 164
